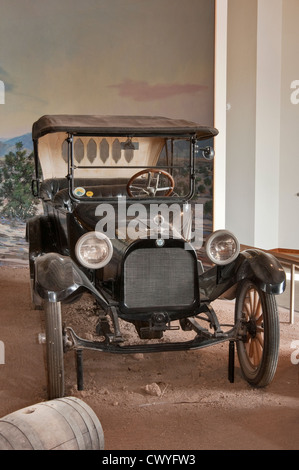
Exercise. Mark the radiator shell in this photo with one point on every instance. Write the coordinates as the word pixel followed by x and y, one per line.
pixel 159 279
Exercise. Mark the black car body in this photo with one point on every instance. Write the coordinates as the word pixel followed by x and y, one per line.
pixel 120 221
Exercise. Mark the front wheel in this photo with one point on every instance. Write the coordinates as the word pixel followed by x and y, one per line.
pixel 54 348
pixel 257 316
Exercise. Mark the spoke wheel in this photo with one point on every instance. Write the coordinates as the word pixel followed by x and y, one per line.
pixel 54 350
pixel 256 314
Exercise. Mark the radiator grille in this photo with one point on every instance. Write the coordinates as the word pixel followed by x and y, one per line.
pixel 161 277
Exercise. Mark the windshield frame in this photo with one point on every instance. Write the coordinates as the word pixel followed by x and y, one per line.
pixel 72 167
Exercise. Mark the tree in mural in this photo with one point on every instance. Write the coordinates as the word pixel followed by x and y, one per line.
pixel 15 185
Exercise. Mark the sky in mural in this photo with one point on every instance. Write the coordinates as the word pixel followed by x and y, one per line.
pixel 145 57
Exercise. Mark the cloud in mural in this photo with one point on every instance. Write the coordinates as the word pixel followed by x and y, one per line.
pixel 143 91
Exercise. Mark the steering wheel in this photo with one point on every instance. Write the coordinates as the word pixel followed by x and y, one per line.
pixel 152 184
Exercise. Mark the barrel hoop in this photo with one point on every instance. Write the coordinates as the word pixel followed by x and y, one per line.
pixel 31 437
pixel 4 439
pixel 72 424
pixel 95 426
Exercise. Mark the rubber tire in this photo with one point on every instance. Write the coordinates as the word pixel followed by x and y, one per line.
pixel 261 374
pixel 54 350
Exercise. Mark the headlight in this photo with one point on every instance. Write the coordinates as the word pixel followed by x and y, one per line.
pixel 222 247
pixel 94 250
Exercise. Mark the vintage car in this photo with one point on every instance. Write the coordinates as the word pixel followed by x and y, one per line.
pixel 121 222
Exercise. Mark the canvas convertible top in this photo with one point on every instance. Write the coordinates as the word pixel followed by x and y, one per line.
pixel 119 125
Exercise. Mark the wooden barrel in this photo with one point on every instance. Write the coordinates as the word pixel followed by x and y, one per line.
pixel 61 424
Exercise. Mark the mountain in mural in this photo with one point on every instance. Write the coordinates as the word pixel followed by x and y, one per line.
pixel 7 145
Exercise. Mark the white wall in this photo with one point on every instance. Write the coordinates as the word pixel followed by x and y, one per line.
pixel 241 100
pixel 267 142
pixel 262 138
pixel 289 137
pixel 220 114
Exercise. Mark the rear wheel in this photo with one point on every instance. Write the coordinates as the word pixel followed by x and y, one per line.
pixel 256 311
pixel 54 350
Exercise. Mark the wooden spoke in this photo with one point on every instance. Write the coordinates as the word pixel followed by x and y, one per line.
pixel 257 302
pixel 260 339
pixel 251 301
pixel 253 314
pixel 247 307
pixel 258 310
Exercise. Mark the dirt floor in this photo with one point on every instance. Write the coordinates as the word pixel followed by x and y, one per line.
pixel 162 401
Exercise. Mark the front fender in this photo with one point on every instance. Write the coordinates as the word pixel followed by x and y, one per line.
pixel 256 265
pixel 58 279
pixel 264 269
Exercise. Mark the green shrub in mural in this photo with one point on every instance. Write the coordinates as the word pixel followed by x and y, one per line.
pixel 15 185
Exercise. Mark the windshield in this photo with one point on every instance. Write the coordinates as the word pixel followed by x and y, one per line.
pixel 103 167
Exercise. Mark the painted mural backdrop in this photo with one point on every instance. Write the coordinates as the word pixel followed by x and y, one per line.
pixel 96 57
